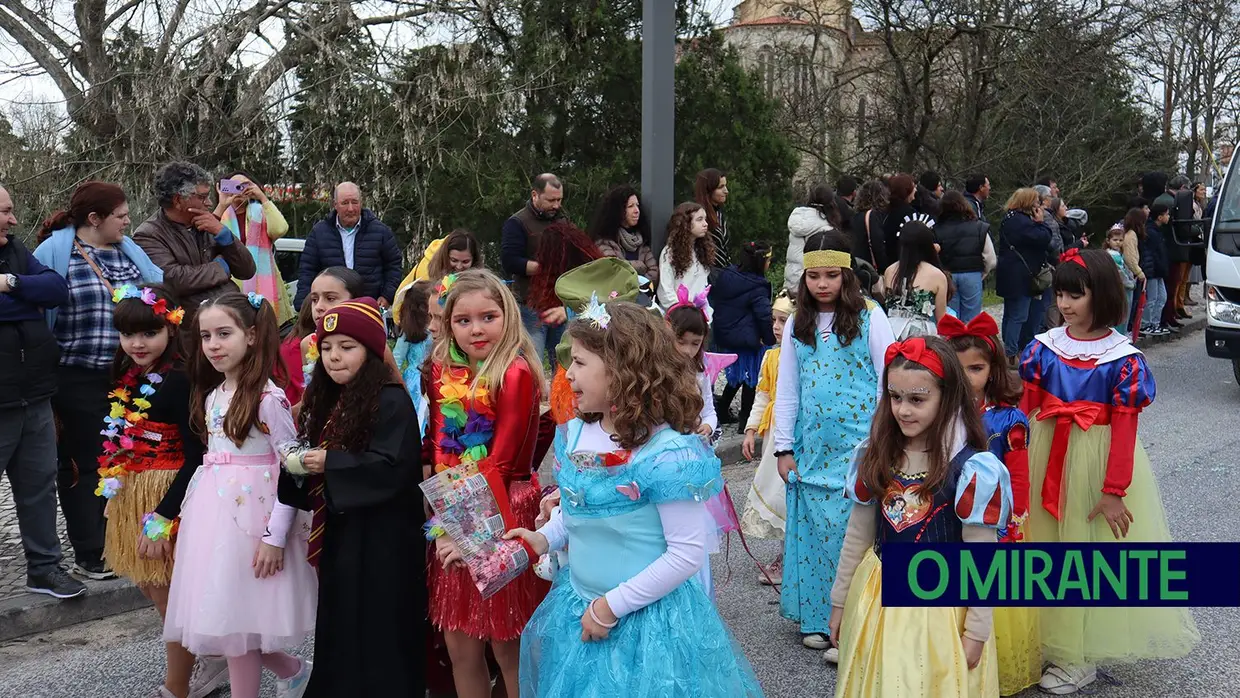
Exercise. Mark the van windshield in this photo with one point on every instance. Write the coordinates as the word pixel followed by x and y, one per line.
pixel 1225 237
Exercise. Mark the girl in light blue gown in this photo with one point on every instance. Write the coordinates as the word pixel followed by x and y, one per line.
pixel 626 617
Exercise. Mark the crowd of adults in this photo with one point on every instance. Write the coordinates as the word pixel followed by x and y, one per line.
pixel 57 342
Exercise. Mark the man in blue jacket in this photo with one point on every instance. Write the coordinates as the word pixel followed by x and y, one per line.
pixel 28 359
pixel 354 237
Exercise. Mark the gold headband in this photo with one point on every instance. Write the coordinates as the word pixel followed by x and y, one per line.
pixel 827 258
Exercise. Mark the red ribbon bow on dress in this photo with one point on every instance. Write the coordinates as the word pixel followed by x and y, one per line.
pixel 915 350
pixel 1072 255
pixel 1082 414
pixel 983 326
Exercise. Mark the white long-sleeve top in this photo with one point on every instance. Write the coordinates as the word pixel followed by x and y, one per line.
pixel 788 397
pixel 709 416
pixel 684 528
pixel 695 278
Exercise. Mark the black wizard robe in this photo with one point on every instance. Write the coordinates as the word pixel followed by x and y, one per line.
pixel 370 636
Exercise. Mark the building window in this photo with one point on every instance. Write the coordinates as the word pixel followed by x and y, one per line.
pixel 861 122
pixel 766 69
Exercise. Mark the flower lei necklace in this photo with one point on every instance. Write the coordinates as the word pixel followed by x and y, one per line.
pixel 129 405
pixel 466 431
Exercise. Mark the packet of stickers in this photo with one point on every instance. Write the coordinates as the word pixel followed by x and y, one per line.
pixel 467 512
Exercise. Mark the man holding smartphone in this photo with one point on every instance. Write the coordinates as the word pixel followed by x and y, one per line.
pixel 198 254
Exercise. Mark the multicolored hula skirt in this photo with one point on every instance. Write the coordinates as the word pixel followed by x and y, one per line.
pixel 457 606
pixel 145 483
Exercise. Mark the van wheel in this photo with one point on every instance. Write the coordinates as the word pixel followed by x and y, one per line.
pixel 1235 370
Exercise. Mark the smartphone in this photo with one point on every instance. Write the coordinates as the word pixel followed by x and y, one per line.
pixel 231 186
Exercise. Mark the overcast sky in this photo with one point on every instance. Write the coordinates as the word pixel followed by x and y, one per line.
pixel 19 90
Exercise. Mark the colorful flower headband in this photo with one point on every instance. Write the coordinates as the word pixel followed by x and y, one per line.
pixel 159 306
pixel 442 288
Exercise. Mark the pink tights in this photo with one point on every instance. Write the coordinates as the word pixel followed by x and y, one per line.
pixel 245 672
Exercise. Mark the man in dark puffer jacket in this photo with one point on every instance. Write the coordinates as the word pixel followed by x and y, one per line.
pixel 28 359
pixel 354 237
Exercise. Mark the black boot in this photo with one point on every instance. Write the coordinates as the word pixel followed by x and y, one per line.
pixel 723 406
pixel 747 395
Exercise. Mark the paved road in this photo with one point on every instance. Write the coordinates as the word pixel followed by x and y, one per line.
pixel 1191 436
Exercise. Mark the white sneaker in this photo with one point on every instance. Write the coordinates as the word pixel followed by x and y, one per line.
pixel 209 674
pixel 774 574
pixel 1062 681
pixel 832 656
pixel 816 641
pixel 295 685
pixel 161 692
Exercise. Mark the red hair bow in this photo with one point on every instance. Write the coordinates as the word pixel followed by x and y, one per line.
pixel 983 326
pixel 915 350
pixel 1072 255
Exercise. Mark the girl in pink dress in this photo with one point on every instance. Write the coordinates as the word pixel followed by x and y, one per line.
pixel 241 587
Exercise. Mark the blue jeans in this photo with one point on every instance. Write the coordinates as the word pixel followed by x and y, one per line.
pixel 545 338
pixel 1036 322
pixel 1015 315
pixel 1155 299
pixel 968 299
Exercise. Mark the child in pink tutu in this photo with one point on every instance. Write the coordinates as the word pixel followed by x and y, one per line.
pixel 241 586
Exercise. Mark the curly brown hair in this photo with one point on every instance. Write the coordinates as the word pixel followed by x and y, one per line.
pixel 650 385
pixel 681 241
pixel 343 415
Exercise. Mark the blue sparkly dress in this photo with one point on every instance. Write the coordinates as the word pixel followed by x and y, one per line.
pixel 677 645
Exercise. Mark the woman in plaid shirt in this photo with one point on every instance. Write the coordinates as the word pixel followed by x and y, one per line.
pixel 87 245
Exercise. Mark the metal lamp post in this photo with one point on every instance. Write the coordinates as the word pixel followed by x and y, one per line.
pixel 658 113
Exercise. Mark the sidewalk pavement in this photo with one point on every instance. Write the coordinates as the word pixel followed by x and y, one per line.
pixel 23 613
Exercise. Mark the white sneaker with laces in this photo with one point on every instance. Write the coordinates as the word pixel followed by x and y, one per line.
pixel 1062 681
pixel 209 674
pixel 295 685
pixel 161 692
pixel 816 641
pixel 832 655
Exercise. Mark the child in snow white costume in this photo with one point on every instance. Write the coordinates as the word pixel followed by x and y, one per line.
pixel 996 392
pixel 1090 478
pixel 628 617
pixel 923 476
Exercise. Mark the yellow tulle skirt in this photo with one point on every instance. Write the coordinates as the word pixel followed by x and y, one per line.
pixel 905 652
pixel 1018 645
pixel 1098 634
pixel 140 494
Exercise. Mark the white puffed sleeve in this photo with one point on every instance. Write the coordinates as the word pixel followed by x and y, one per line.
pixel 854 488
pixel 984 492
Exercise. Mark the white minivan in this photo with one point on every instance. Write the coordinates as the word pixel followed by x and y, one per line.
pixel 1223 274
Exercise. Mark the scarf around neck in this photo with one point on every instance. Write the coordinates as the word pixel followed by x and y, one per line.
pixel 630 240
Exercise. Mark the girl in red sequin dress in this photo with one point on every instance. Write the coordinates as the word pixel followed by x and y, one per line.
pixel 482 387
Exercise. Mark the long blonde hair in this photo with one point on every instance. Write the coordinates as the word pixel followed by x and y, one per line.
pixel 515 341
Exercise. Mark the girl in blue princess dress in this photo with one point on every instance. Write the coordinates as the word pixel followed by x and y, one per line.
pixel 829 366
pixel 628 617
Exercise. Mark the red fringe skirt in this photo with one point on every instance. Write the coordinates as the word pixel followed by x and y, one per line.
pixel 456 604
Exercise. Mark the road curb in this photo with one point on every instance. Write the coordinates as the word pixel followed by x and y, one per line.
pixel 37 613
